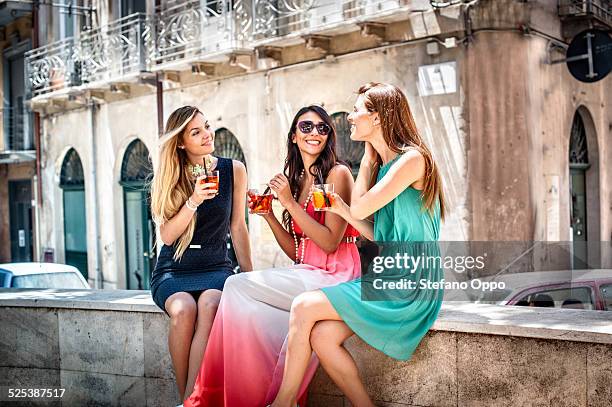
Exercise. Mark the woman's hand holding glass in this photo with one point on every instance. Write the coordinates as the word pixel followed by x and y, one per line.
pixel 339 207
pixel 203 191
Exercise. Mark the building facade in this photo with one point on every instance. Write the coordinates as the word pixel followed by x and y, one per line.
pixel 523 147
pixel 17 155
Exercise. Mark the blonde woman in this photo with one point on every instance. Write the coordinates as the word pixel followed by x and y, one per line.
pixel 194 220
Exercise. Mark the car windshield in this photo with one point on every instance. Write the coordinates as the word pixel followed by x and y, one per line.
pixel 48 280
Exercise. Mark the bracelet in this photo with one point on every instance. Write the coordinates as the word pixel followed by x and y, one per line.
pixel 191 205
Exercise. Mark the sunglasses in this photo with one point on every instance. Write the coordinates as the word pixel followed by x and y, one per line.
pixel 308 126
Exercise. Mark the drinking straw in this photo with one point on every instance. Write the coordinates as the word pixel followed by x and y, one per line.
pixel 320 179
pixel 205 169
pixel 261 198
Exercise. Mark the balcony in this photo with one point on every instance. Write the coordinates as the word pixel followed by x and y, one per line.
pixel 115 52
pixel 17 136
pixel 50 68
pixel 194 36
pixel 307 17
pixel 578 15
pixel 198 31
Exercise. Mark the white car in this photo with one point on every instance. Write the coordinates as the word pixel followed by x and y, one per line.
pixel 41 275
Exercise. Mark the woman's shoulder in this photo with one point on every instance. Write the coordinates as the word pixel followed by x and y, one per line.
pixel 230 163
pixel 410 159
pixel 237 166
pixel 339 172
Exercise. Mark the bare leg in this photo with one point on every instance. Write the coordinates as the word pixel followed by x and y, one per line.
pixel 307 309
pixel 182 309
pixel 207 308
pixel 326 339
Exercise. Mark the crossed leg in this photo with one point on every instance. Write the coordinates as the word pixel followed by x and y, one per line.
pixel 307 310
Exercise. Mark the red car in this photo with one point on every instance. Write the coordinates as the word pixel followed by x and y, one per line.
pixel 576 289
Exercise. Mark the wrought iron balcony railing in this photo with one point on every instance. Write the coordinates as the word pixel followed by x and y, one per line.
pixel 50 68
pixel 114 51
pixel 600 9
pixel 17 128
pixel 300 17
pixel 184 32
pixel 200 29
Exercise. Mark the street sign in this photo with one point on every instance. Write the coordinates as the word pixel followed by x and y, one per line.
pixel 589 56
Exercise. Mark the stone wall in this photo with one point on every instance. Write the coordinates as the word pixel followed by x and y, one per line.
pixel 109 348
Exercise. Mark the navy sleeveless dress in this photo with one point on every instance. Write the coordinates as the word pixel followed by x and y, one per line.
pixel 206 263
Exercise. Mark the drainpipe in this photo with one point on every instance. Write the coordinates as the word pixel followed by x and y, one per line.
pixel 37 140
pixel 160 89
pixel 93 108
pixel 160 105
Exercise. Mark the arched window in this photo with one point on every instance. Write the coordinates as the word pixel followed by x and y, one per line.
pixel 136 171
pixel 72 182
pixel 579 153
pixel 228 146
pixel 136 166
pixel 348 150
pixel 72 170
pixel 584 192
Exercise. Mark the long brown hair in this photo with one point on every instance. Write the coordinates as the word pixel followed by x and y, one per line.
pixel 322 165
pixel 400 132
pixel 172 184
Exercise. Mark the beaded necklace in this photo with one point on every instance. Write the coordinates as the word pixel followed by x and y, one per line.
pixel 302 238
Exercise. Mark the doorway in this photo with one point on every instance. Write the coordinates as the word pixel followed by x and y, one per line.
pixel 140 252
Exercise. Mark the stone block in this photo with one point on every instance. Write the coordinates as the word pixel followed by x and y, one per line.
pixel 405 382
pixel 161 392
pixel 28 378
pixel 97 389
pixel 324 400
pixel 510 371
pixel 156 354
pixel 413 381
pixel 29 338
pixel 102 342
pixel 599 375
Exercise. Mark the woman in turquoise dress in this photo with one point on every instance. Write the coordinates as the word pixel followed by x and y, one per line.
pixel 400 186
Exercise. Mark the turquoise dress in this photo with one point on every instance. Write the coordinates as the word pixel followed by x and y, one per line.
pixel 395 320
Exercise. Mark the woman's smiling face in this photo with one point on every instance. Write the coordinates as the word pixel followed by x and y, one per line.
pixel 198 137
pixel 313 142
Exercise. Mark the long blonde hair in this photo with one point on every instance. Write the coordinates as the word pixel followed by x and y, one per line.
pixel 172 184
pixel 399 131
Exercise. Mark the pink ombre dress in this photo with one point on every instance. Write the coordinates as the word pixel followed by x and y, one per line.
pixel 244 360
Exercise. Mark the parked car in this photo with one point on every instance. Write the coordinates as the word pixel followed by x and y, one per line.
pixel 41 275
pixel 575 289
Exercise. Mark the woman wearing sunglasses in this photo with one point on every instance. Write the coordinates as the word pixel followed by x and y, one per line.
pixel 243 363
pixel 407 203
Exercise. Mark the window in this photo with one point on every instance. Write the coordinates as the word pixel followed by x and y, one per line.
pixel 570 297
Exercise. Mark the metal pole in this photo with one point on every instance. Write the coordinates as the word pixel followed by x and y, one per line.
pixel 93 106
pixel 160 105
pixel 37 140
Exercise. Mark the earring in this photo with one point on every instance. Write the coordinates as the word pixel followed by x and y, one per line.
pixel 181 147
